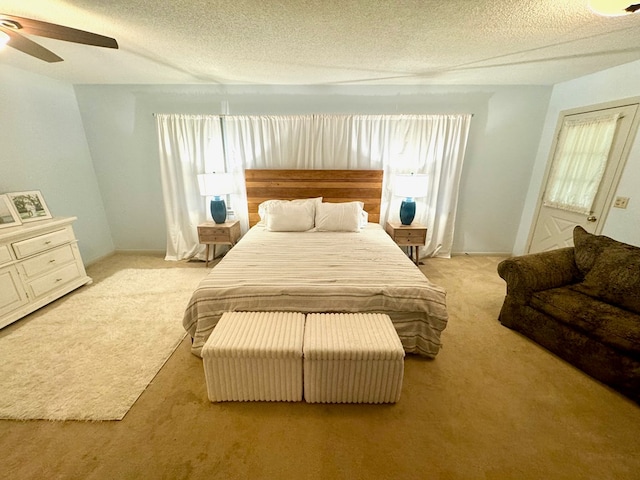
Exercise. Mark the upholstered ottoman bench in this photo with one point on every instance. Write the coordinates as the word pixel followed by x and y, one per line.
pixel 255 356
pixel 352 358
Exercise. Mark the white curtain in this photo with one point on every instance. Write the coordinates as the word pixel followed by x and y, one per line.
pixel 188 145
pixel 431 144
pixel 579 163
pixel 434 145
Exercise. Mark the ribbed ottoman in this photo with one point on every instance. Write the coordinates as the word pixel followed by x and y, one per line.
pixel 352 358
pixel 255 356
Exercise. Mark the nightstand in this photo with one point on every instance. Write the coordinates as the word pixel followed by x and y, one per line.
pixel 411 236
pixel 211 233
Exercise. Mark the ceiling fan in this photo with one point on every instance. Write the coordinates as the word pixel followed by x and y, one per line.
pixel 12 28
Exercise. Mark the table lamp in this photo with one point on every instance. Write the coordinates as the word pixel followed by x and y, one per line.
pixel 409 186
pixel 214 185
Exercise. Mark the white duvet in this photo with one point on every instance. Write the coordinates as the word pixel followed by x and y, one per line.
pixel 321 272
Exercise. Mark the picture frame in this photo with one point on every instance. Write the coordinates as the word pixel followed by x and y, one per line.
pixel 30 205
pixel 8 215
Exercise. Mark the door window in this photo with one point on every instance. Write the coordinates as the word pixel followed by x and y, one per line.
pixel 579 163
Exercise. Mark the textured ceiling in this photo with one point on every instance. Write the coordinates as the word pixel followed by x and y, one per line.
pixel 353 42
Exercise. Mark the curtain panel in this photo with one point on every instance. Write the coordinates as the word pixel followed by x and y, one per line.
pixel 430 144
pixel 188 145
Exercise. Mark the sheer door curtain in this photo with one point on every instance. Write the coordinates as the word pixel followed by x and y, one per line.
pixel 427 144
pixel 579 163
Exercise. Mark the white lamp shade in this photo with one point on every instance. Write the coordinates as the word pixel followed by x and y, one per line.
pixel 212 184
pixel 410 185
pixel 612 8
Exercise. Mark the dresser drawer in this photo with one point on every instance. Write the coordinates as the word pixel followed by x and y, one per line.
pixel 41 243
pixel 47 261
pixel 5 255
pixel 55 279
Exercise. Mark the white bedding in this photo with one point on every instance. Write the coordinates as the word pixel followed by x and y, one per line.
pixel 321 272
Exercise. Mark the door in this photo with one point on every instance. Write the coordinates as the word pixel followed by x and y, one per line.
pixel 589 149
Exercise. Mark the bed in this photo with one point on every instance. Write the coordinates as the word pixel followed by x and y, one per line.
pixel 320 271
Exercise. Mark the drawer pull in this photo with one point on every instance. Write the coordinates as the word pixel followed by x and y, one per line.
pixel 53 260
pixel 47 242
pixel 58 280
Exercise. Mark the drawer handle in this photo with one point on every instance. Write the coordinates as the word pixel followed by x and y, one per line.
pixel 52 261
pixel 47 242
pixel 58 280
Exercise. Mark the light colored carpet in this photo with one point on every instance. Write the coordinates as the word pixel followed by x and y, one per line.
pixel 493 405
pixel 89 355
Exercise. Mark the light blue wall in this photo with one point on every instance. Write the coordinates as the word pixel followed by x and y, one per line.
pixel 92 150
pixel 613 84
pixel 43 147
pixel 504 137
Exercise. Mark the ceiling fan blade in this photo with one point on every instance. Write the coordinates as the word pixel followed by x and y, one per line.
pixel 29 47
pixel 68 34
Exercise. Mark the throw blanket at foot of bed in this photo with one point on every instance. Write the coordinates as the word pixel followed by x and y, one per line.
pixel 320 272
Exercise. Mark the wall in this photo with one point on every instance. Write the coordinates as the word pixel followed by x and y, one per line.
pixel 503 141
pixel 613 84
pixel 44 148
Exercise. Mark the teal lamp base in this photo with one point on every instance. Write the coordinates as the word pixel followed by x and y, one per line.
pixel 218 210
pixel 407 211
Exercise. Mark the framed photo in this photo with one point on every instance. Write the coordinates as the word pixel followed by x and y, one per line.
pixel 8 216
pixel 29 205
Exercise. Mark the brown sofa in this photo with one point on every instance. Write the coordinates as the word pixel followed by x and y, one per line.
pixel 583 304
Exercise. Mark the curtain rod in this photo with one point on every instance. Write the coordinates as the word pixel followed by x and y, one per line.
pixel 228 115
pixel 218 114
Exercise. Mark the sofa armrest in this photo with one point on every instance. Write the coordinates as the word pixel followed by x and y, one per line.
pixel 538 271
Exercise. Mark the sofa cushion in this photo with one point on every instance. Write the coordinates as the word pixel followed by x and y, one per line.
pixel 615 278
pixel 588 248
pixel 608 324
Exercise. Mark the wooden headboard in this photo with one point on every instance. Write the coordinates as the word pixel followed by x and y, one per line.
pixel 333 185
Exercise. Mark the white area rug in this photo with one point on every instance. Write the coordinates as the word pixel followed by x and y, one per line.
pixel 89 355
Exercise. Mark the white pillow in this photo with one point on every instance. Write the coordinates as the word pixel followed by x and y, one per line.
pixel 290 217
pixel 339 217
pixel 264 206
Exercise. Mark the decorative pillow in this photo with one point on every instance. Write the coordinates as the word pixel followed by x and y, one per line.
pixel 588 248
pixel 264 206
pixel 339 217
pixel 290 217
pixel 615 277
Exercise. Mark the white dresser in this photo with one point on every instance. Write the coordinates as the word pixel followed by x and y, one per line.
pixel 39 262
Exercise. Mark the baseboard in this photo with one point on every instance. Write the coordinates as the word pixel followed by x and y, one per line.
pixel 141 252
pixel 482 254
pixel 99 259
pixel 155 253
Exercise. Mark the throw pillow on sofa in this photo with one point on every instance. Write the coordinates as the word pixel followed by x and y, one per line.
pixel 615 277
pixel 588 248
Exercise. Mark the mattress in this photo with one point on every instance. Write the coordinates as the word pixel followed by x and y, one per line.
pixel 321 272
